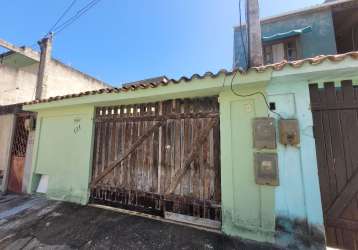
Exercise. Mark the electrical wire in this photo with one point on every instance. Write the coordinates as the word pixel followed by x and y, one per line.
pixel 252 94
pixel 59 28
pixel 62 16
pixel 73 19
pixel 78 14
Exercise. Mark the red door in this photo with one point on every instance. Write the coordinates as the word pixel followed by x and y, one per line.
pixel 16 174
pixel 18 154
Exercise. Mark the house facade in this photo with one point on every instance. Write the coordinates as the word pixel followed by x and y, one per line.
pixel 236 151
pixel 19 70
pixel 19 78
pixel 296 35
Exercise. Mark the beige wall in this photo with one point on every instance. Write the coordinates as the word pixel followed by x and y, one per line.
pixel 18 85
pixel 6 132
pixel 64 80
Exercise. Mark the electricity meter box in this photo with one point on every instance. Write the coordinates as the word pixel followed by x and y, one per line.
pixel 289 132
pixel 264 133
pixel 266 169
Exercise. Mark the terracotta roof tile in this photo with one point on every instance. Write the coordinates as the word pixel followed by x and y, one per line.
pixel 312 61
pixel 163 81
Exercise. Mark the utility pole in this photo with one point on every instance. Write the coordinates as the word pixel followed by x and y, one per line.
pixel 254 33
pixel 43 72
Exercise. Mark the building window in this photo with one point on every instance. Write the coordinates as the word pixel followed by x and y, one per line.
pixel 268 54
pixel 281 50
pixel 291 50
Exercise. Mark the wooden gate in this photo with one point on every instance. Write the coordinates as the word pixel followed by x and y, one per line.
pixel 335 114
pixel 18 153
pixel 159 157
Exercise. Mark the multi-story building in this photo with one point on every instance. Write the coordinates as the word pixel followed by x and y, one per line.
pixel 324 29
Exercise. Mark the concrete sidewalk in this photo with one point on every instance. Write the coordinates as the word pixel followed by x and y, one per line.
pixel 35 223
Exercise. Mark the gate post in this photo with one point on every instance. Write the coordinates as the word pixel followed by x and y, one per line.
pixel 7 130
pixel 248 209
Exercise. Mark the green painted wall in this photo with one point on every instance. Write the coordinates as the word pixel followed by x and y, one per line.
pixel 248 209
pixel 63 149
pixel 66 156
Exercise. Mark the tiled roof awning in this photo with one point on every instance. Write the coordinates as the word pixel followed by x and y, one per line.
pixel 291 33
pixel 163 81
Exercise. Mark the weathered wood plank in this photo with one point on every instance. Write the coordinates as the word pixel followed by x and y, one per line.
pixel 329 156
pixel 216 162
pixel 160 152
pixel 171 116
pixel 343 223
pixel 155 165
pixel 331 236
pixel 196 168
pixel 345 197
pixel 130 150
pixel 187 183
pixel 196 146
pixel 123 149
pixel 149 170
pixel 176 142
pixel 167 149
pixel 323 167
pixel 145 150
pixel 337 150
pixel 335 129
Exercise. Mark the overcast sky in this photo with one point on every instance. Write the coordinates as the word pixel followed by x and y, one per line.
pixel 126 40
